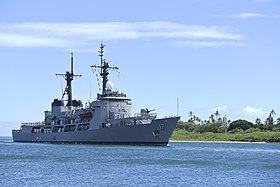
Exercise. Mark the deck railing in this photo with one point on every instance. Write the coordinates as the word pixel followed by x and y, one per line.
pixel 146 116
pixel 38 123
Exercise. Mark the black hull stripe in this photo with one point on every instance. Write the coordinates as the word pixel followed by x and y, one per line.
pixel 100 143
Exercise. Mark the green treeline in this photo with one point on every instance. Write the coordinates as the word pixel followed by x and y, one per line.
pixel 222 129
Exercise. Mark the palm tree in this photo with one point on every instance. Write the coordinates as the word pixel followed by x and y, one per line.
pixel 269 121
pixel 225 123
pixel 225 119
pixel 191 115
pixel 278 121
pixel 272 113
pixel 194 119
pixel 217 114
pixel 212 118
pixel 197 119
pixel 258 122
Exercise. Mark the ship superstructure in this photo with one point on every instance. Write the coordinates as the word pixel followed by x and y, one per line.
pixel 108 119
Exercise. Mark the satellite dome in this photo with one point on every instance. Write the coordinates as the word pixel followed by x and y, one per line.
pixel 109 86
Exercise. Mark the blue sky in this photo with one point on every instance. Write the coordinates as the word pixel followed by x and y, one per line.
pixel 212 55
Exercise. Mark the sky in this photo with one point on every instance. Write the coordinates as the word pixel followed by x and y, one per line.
pixel 209 55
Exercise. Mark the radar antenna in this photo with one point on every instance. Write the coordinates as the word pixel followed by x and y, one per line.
pixel 69 76
pixel 104 68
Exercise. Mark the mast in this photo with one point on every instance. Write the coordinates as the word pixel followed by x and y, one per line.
pixel 69 76
pixel 104 67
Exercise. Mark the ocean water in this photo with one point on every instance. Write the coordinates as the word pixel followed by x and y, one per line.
pixel 179 164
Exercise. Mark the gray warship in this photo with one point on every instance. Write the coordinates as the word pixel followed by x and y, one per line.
pixel 106 120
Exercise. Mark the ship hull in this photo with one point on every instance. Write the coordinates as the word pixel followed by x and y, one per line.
pixel 157 132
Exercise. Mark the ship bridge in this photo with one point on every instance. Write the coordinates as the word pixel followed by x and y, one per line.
pixel 115 96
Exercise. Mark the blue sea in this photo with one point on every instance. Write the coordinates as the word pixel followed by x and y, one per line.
pixel 179 164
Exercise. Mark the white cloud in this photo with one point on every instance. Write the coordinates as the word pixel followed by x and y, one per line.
pixel 82 35
pixel 254 111
pixel 209 43
pixel 261 1
pixel 247 15
pixel 222 108
pixel 21 40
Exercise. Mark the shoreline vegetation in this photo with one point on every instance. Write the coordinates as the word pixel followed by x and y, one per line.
pixel 220 129
pixel 257 137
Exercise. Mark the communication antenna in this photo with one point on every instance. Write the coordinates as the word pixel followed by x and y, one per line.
pixel 104 68
pixel 177 106
pixel 90 88
pixel 69 76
